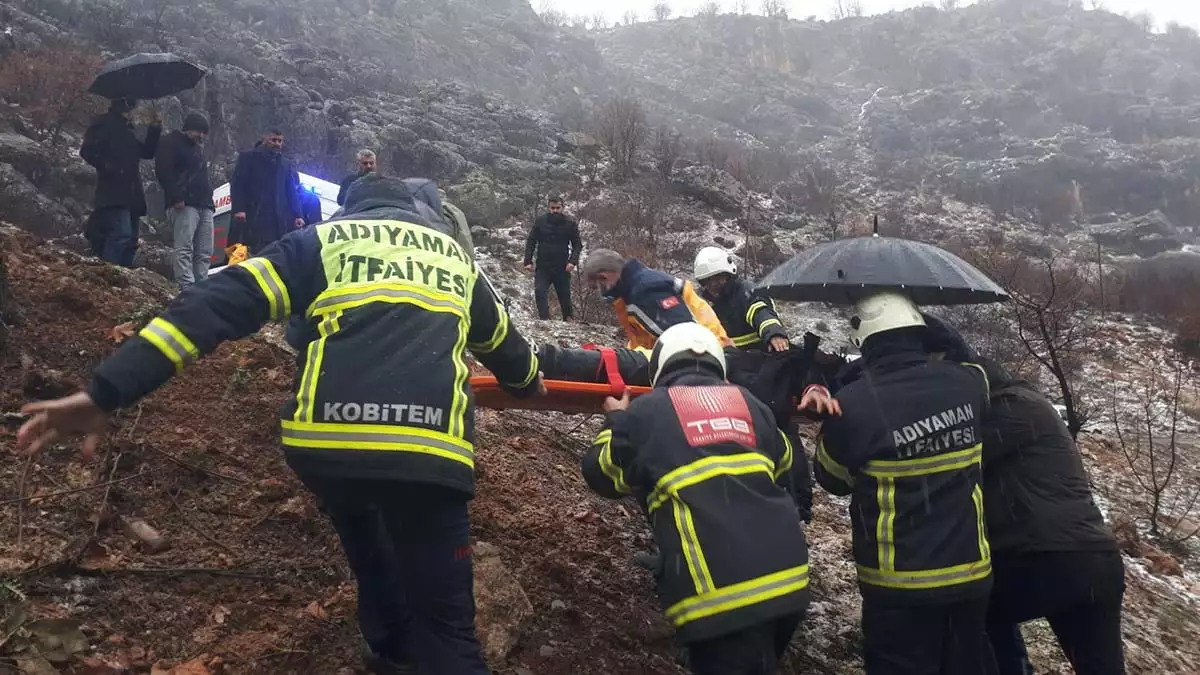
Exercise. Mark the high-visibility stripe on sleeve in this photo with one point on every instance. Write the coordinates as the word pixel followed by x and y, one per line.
pixel 767 324
pixel 271 285
pixel 828 463
pixel 614 472
pixel 747 340
pixel 987 383
pixel 785 464
pixel 171 342
pixel 529 377
pixel 753 309
pixel 497 337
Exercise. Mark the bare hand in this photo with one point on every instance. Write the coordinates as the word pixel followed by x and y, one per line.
pixel 153 118
pixel 570 268
pixel 780 344
pixel 75 414
pixel 178 206
pixel 299 222
pixel 613 405
pixel 529 268
pixel 818 400
pixel 240 215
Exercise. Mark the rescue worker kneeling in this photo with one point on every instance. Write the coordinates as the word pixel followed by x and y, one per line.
pixel 381 428
pixel 908 448
pixel 647 301
pixel 713 474
pixel 748 318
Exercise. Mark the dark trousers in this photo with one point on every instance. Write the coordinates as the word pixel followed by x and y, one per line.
pixel 560 279
pixel 1078 592
pixel 120 242
pixel 935 639
pixel 408 548
pixel 753 651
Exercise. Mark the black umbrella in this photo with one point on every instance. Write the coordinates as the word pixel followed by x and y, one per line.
pixel 146 76
pixel 848 269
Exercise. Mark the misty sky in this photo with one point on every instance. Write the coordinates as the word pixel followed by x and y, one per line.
pixel 1182 11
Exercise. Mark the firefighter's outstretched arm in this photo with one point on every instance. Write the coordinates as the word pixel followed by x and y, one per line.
pixel 605 463
pixel 232 304
pixel 761 316
pixel 833 469
pixel 498 346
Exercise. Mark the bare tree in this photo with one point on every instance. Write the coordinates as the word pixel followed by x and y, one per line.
pixel 741 7
pixel 1143 20
pixel 775 9
pixel 48 86
pixel 621 127
pixel 662 11
pixel 948 5
pixel 838 12
pixel 552 16
pixel 709 9
pixel 629 18
pixel 854 8
pixel 599 21
pixel 1096 4
pixel 1050 307
pixel 1148 435
pixel 668 146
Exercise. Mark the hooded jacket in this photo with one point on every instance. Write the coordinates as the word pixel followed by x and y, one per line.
pixel 183 172
pixel 714 475
pixel 648 302
pixel 391 305
pixel 267 189
pixel 111 146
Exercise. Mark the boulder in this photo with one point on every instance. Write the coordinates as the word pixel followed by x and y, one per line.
pixel 1145 236
pixel 791 221
pixel 575 140
pixel 501 607
pixel 32 210
pixel 714 187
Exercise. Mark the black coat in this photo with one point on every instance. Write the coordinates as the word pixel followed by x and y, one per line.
pixel 344 187
pixel 183 172
pixel 1036 493
pixel 267 189
pixel 111 146
pixel 554 239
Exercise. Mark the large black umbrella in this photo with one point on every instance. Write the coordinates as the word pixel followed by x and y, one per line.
pixel 845 270
pixel 146 76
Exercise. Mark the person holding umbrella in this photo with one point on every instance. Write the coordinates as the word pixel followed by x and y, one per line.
pixel 111 146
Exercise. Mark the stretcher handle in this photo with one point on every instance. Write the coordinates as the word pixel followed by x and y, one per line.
pixel 612 371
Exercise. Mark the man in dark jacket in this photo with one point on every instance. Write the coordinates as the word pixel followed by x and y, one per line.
pixel 110 145
pixel 749 318
pixel 183 174
pixel 554 243
pixel 713 475
pixel 381 428
pixel 1052 554
pixel 366 165
pixel 265 195
pixel 908 448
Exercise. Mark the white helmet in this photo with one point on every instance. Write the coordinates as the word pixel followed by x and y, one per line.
pixel 684 339
pixel 711 261
pixel 883 311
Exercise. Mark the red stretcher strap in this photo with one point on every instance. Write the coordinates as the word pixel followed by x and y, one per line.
pixel 612 371
pixel 561 396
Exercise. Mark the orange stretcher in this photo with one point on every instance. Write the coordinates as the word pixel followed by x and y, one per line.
pixel 561 395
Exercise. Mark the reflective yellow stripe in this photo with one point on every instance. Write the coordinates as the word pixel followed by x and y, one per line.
pixel 922 579
pixel 614 472
pixel 529 377
pixel 830 464
pixel 306 395
pixel 498 335
pixel 736 596
pixel 349 297
pixel 703 469
pixel 754 307
pixel 924 466
pixel 271 285
pixel 460 396
pixel 885 525
pixel 785 464
pixel 170 341
pixel 985 550
pixel 322 435
pixel 746 340
pixel 987 383
pixel 692 553
pixel 768 323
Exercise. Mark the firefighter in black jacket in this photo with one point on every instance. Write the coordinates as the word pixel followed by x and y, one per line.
pixel 908 448
pixel 1053 555
pixel 749 318
pixel 713 475
pixel 381 427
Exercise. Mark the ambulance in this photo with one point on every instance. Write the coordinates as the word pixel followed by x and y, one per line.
pixel 324 190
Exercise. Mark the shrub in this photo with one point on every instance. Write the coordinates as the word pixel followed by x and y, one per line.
pixel 49 85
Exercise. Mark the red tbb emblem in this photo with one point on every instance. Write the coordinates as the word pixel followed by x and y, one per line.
pixel 711 415
pixel 669 302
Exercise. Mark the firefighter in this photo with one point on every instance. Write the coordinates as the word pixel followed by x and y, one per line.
pixel 713 475
pixel 749 318
pixel 381 428
pixel 908 448
pixel 647 301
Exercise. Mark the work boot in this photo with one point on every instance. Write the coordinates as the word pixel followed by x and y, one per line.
pixel 377 664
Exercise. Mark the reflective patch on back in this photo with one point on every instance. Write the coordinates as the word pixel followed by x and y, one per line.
pixel 710 415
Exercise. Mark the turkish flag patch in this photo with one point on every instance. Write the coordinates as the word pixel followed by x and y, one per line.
pixel 669 302
pixel 712 415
